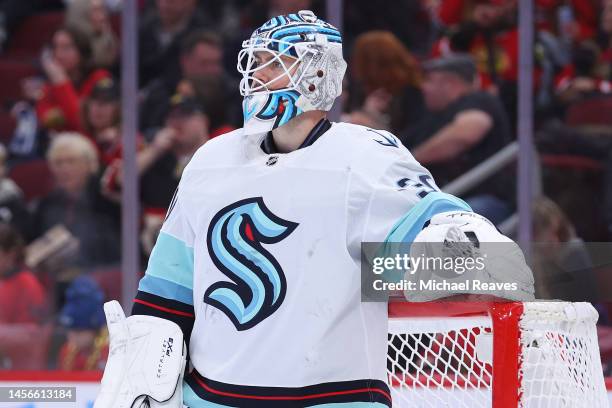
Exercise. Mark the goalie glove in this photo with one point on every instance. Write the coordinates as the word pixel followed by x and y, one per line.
pixel 145 364
pixel 498 265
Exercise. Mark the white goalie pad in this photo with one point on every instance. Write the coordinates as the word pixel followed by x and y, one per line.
pixel 145 364
pixel 497 265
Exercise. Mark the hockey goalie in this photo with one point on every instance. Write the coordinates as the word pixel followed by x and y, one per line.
pixel 251 297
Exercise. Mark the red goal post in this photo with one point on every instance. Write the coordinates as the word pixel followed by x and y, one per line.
pixel 502 355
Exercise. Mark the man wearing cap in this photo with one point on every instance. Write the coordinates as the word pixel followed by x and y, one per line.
pixel 464 127
pixel 185 130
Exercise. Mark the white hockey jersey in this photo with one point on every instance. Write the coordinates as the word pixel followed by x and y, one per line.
pixel 265 248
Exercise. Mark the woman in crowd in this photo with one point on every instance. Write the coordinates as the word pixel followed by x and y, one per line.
pixel 22 297
pixel 102 120
pixel 565 269
pixel 76 203
pixel 388 81
pixel 71 78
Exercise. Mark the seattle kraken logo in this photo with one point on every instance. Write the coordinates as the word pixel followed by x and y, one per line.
pixel 234 242
pixel 282 106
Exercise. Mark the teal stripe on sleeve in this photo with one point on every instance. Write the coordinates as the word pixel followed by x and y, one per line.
pixel 166 289
pixel 407 228
pixel 172 260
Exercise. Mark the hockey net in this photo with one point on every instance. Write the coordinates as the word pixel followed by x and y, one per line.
pixel 536 354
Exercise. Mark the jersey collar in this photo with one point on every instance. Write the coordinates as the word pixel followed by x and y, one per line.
pixel 322 126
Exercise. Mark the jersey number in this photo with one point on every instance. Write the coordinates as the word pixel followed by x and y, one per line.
pixel 258 284
pixel 423 185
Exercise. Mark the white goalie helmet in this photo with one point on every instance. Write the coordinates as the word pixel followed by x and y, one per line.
pixel 306 53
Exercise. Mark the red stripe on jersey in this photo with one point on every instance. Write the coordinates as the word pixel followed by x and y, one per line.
pixel 290 397
pixel 163 309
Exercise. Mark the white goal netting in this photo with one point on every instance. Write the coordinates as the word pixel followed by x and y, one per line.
pixel 537 354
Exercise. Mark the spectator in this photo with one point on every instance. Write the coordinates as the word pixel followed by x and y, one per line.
pixel 22 297
pixel 86 347
pixel 71 79
pixel 12 205
pixel 28 139
pixel 173 146
pixel 389 79
pixel 579 80
pixel 76 203
pixel 161 34
pixel 202 76
pixel 91 17
pixel 255 13
pixel 101 120
pixel 407 19
pixel 485 30
pixel 563 265
pixel 185 131
pixel 605 40
pixel 463 128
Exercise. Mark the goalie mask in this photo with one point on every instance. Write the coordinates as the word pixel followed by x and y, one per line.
pixel 290 65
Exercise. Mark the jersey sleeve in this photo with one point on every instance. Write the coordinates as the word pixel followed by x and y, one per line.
pixel 166 290
pixel 396 205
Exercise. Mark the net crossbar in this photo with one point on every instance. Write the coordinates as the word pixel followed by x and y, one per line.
pixel 538 354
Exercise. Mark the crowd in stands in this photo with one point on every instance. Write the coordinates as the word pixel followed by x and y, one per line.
pixel 441 75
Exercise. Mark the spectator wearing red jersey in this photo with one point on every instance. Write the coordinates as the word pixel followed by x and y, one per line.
pixel 548 14
pixel 22 297
pixel 579 79
pixel 102 124
pixel 70 79
pixel 102 120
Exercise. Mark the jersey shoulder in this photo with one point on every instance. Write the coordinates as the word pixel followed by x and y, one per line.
pixel 219 151
pixel 371 152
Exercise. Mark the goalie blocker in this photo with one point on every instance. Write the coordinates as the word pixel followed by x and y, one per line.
pixel 462 234
pixel 146 362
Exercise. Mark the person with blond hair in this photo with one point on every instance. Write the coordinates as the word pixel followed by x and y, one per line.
pixel 76 202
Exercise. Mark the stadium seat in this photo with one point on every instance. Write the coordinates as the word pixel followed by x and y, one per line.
pixel 604 334
pixel 115 20
pixel 590 112
pixel 34 178
pixel 7 127
pixel 32 34
pixel 575 182
pixel 109 280
pixel 12 72
pixel 25 345
pixel 571 162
